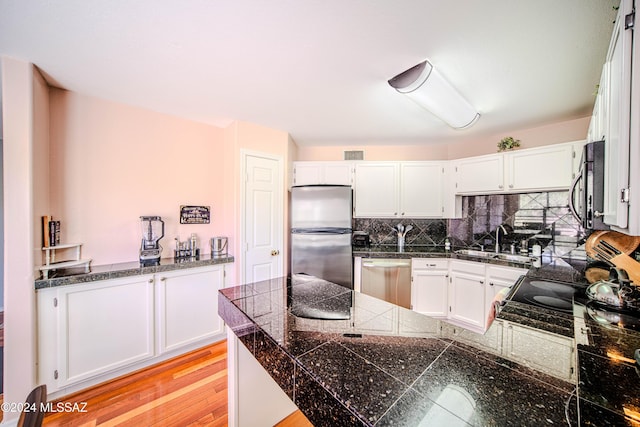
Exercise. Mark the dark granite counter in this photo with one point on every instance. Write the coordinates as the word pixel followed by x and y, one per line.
pixel 428 251
pixel 608 379
pixel 125 269
pixel 383 364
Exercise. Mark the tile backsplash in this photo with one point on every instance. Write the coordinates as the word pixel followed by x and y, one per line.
pixel 544 217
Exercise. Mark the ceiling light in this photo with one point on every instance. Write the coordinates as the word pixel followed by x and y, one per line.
pixel 424 85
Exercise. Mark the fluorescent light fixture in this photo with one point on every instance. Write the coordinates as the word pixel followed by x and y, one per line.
pixel 424 85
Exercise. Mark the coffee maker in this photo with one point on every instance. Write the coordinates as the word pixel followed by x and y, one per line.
pixel 152 232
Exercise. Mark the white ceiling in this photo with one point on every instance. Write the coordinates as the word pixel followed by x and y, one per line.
pixel 318 69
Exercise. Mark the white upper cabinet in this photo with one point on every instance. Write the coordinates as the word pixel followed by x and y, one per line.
pixel 479 175
pixel 399 189
pixel 534 169
pixel 545 168
pixel 617 124
pixel 327 173
pixel 377 189
pixel 421 189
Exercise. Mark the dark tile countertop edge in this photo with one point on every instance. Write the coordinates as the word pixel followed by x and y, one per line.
pixel 127 269
pixel 309 366
pixel 566 268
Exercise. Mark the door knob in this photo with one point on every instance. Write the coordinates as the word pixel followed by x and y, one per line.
pixel 275 252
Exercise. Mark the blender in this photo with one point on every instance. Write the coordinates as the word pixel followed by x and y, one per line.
pixel 152 232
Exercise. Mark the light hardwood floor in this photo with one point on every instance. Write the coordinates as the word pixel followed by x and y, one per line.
pixel 190 390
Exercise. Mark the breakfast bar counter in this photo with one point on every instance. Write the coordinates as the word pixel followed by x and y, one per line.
pixel 363 361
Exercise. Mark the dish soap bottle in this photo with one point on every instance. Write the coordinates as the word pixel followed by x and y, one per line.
pixel 447 244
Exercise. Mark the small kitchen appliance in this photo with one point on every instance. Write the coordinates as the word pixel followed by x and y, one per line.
pixel 152 232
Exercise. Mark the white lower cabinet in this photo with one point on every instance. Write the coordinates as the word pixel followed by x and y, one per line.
pixel 459 291
pixel 467 294
pixel 429 282
pixel 92 332
pixel 95 328
pixel 544 351
pixel 186 312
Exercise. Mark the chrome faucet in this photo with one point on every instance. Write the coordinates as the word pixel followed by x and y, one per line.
pixel 504 230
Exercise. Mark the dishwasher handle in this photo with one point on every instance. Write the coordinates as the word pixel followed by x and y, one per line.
pixel 386 263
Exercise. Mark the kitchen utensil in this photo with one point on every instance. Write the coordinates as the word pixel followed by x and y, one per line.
pixel 596 270
pixel 152 232
pixel 624 243
pixel 219 246
pixel 601 246
pixel 616 292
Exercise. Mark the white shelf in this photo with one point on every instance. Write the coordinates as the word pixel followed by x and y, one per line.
pixel 50 259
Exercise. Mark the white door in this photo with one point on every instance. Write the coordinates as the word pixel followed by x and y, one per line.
pixel 263 218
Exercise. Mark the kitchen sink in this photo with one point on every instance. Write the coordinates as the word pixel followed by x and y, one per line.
pixel 493 255
pixel 471 252
pixel 513 257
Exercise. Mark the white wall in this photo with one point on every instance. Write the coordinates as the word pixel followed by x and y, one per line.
pixel 21 92
pixel 112 163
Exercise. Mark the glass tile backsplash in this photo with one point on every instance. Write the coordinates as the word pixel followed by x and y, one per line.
pixel 543 217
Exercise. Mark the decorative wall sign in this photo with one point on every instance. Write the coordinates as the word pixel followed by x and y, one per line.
pixel 195 215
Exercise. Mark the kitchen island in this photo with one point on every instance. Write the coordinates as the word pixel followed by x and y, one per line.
pixel 363 361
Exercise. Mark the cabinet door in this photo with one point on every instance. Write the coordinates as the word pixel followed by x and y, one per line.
pixel 188 306
pixel 338 173
pixel 104 326
pixel 618 111
pixel 421 185
pixel 467 299
pixel 307 173
pixel 429 294
pixel 326 173
pixel 376 190
pixel 543 351
pixel 545 168
pixel 479 174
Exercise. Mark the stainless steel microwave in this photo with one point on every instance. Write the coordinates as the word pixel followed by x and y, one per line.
pixel 586 197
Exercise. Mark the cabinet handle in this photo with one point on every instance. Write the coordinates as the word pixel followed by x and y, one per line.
pixel 490 283
pixel 150 280
pixel 510 185
pixel 162 279
pixel 402 213
pixel 481 282
pixel 501 186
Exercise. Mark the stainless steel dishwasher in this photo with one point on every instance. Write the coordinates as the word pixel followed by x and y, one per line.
pixel 387 279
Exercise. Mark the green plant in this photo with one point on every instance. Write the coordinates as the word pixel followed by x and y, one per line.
pixel 508 143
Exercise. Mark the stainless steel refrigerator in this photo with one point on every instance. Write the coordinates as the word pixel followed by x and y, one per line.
pixel 321 232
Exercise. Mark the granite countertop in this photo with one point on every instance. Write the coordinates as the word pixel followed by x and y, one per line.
pixel 125 269
pixel 386 365
pixel 428 251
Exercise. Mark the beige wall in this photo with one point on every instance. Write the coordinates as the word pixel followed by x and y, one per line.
pixel 25 141
pixel 572 130
pixel 252 138
pixel 112 163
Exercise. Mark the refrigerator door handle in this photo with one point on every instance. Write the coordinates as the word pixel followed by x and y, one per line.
pixel 321 230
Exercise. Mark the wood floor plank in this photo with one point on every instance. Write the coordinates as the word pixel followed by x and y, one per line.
pixel 186 388
pixel 190 390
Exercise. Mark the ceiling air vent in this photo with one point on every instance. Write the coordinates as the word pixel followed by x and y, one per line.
pixel 354 155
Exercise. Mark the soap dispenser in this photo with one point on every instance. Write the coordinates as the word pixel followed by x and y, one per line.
pixel 447 244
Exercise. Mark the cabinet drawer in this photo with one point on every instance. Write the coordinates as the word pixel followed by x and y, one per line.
pixel 430 263
pixel 470 267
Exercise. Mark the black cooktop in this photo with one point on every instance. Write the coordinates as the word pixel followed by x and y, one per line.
pixel 571 299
